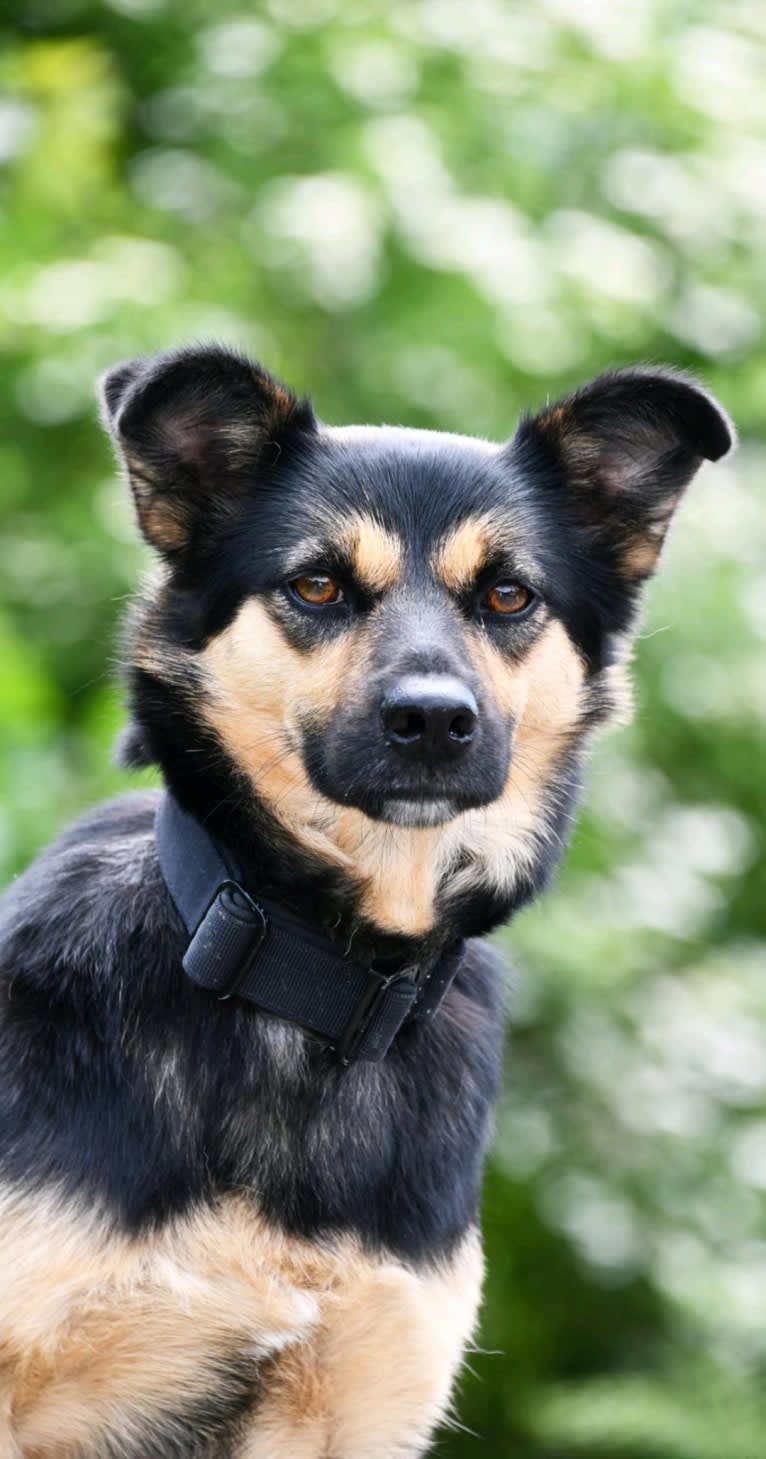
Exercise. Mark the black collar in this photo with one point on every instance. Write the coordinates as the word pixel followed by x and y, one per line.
pixel 258 950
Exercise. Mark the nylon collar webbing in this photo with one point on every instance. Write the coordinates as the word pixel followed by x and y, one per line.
pixel 257 950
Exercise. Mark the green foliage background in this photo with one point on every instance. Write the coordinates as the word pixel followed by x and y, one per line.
pixel 440 212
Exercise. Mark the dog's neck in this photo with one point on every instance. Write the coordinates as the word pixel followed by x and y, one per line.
pixel 381 904
pixel 374 894
pixel 383 891
pixel 375 898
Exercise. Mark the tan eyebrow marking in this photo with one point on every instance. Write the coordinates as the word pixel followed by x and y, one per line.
pixel 462 553
pixel 373 552
pixel 376 553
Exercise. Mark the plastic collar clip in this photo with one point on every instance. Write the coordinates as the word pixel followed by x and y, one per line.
pixel 385 1004
pixel 226 941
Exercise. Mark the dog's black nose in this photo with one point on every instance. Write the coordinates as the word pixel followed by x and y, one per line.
pixel 429 717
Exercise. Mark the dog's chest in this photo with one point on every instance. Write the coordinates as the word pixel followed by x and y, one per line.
pixel 390 1153
pixel 312 1350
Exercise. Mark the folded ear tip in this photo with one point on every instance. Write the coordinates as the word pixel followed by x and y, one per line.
pixel 112 387
pixel 716 431
pixel 113 384
pixel 722 432
pixel 710 428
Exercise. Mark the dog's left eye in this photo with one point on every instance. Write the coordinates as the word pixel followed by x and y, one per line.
pixel 316 588
pixel 508 597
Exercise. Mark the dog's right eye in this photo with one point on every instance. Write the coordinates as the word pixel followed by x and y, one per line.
pixel 317 589
pixel 509 598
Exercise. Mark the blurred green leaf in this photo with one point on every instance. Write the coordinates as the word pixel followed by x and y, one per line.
pixel 442 213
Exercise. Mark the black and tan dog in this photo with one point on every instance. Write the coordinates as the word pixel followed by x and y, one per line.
pixel 368 667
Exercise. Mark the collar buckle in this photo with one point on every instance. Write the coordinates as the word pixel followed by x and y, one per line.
pixel 267 956
pixel 226 941
pixel 382 1009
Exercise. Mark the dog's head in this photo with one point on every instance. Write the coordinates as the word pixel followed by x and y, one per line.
pixel 385 638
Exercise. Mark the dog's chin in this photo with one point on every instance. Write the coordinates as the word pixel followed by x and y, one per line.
pixel 398 811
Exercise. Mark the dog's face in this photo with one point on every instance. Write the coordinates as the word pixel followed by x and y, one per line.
pixel 383 627
pixel 387 619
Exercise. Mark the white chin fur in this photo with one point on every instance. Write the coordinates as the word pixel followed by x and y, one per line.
pixel 418 812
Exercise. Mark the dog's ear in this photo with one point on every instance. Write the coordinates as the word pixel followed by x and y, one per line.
pixel 194 429
pixel 625 447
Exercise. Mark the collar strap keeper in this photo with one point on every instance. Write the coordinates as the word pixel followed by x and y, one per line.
pixel 256 950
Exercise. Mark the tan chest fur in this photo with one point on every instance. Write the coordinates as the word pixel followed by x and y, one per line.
pixel 353 1355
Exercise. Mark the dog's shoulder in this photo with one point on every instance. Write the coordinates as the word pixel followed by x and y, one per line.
pixel 84 932
pixel 84 877
pixel 121 1081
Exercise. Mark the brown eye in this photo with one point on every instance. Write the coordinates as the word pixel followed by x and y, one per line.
pixel 508 597
pixel 317 589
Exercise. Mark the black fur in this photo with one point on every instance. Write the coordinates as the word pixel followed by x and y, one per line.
pixel 95 1005
pixel 121 1081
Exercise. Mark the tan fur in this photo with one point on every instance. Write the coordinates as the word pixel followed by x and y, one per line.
pixel 281 401
pixel 406 869
pixel 396 865
pixel 640 554
pixel 162 519
pixel 257 689
pixel 374 1378
pixel 170 664
pixel 639 557
pixel 376 553
pixel 461 555
pixel 162 527
pixel 543 694
pixel 598 471
pixel 556 417
pixel 100 1333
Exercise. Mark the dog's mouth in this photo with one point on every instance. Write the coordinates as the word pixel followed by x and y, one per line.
pixel 358 771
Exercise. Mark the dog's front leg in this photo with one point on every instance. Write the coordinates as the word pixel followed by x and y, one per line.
pixel 141 1345
pixel 374 1379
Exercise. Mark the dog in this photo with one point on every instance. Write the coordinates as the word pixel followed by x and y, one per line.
pixel 250 1038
